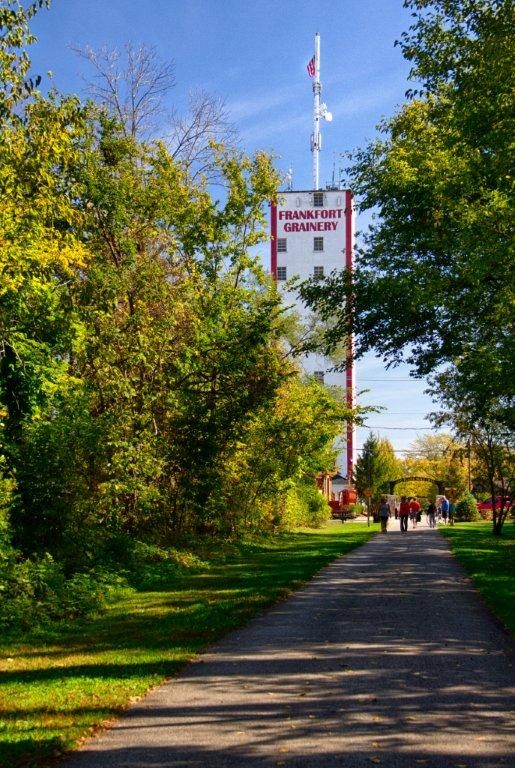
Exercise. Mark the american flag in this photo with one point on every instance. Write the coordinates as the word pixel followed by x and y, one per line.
pixel 311 67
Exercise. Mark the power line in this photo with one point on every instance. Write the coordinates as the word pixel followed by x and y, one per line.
pixel 363 378
pixel 427 454
pixel 369 426
pixel 401 413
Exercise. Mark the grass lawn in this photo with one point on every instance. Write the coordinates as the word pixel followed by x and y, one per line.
pixel 490 561
pixel 62 683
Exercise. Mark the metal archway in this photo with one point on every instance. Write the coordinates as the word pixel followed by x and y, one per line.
pixel 439 483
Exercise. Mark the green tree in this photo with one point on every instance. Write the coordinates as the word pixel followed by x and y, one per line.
pixel 40 254
pixel 466 509
pixel 434 279
pixel 15 37
pixel 189 353
pixel 487 435
pixel 137 333
pixel 288 442
pixel 376 466
pixel 144 388
pixel 438 457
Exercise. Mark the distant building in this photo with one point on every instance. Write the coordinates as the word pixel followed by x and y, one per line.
pixel 312 235
pixel 339 484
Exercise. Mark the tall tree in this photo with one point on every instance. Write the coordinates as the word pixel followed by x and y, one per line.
pixel 375 467
pixel 140 338
pixel 15 37
pixel 131 84
pixel 437 457
pixel 490 438
pixel 288 441
pixel 178 349
pixel 40 254
pixel 434 281
pixel 134 84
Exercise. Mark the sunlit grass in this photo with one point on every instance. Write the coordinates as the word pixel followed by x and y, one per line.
pixel 490 561
pixel 61 684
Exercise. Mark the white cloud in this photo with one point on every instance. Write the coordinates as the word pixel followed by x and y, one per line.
pixel 264 115
pixel 365 100
pixel 260 103
pixel 274 125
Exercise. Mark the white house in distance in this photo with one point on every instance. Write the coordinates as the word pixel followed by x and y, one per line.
pixel 312 234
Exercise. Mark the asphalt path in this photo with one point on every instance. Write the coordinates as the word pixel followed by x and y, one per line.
pixel 387 657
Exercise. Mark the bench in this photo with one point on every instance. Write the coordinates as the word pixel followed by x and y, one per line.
pixel 343 515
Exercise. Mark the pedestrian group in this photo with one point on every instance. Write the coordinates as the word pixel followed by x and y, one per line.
pixel 410 509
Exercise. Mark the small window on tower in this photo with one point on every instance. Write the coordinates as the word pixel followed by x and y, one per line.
pixel 281 273
pixel 318 243
pixel 318 199
pixel 318 271
pixel 319 376
pixel 281 245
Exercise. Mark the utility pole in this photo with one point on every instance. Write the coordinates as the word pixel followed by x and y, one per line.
pixel 368 472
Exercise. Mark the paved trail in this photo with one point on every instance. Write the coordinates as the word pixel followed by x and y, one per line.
pixel 386 658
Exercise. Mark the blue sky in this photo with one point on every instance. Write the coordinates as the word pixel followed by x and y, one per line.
pixel 253 55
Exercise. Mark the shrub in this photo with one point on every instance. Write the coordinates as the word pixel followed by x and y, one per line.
pixel 82 595
pixel 318 510
pixel 153 566
pixel 35 592
pixel 305 505
pixel 7 487
pixel 466 509
pixel 144 553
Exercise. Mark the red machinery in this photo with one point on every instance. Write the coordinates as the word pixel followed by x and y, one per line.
pixel 342 506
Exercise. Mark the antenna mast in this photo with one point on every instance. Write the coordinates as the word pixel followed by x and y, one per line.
pixel 316 138
pixel 319 110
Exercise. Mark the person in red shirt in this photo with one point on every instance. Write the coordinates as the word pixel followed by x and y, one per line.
pixel 414 510
pixel 404 514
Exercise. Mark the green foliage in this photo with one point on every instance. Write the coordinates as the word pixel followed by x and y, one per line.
pixel 466 509
pixel 437 457
pixel 487 427
pixel 191 352
pixel 166 343
pixel 36 591
pixel 305 506
pixel 144 390
pixel 286 445
pixel 40 256
pixel 375 467
pixel 152 567
pixel 434 279
pixel 14 60
pixel 7 487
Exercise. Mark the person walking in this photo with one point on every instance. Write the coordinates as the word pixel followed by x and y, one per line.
pixel 431 514
pixel 414 511
pixel 444 507
pixel 452 512
pixel 404 514
pixel 384 514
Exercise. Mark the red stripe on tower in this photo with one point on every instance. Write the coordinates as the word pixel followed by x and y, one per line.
pixel 273 241
pixel 349 370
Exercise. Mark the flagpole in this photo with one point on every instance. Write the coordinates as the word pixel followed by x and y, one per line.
pixel 316 139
